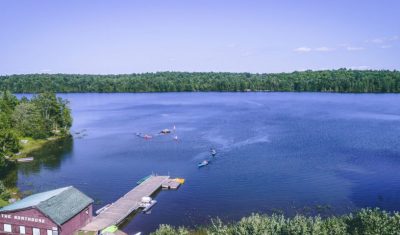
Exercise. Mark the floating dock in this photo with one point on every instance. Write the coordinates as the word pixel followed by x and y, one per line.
pixel 128 203
pixel 171 184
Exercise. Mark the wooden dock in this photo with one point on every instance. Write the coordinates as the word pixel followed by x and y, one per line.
pixel 124 206
pixel 170 184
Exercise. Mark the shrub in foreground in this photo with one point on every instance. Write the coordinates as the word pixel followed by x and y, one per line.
pixel 364 222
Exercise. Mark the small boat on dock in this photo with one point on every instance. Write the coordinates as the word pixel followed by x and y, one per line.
pixel 203 163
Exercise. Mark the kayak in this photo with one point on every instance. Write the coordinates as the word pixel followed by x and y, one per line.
pixel 179 180
pixel 203 163
pixel 147 136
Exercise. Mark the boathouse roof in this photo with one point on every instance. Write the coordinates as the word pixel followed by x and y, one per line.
pixel 59 205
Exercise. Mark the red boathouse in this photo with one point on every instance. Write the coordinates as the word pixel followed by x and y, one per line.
pixel 58 212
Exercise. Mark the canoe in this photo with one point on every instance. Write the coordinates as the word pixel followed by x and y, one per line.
pixel 25 159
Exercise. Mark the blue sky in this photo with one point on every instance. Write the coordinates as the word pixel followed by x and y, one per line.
pixel 103 37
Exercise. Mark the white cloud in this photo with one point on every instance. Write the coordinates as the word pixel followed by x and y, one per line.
pixel 343 45
pixel 384 39
pixel 317 49
pixel 324 49
pixel 350 48
pixel 303 49
pixel 385 46
pixel 378 40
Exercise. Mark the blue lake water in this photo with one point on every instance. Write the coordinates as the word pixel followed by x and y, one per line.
pixel 288 153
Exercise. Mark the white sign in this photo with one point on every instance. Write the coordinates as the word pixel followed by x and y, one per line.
pixel 22 218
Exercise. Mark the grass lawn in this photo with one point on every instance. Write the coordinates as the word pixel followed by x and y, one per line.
pixel 3 203
pixel 31 145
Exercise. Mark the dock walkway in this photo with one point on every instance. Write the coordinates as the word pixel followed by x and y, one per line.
pixel 124 206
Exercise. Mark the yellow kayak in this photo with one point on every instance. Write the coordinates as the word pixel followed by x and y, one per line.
pixel 179 180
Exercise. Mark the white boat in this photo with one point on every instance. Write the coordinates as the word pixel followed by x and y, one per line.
pixel 147 203
pixel 149 206
pixel 213 152
pixel 203 163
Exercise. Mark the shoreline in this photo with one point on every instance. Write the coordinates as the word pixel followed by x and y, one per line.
pixel 28 147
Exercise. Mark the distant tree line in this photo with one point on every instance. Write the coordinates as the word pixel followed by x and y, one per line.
pixel 341 80
pixel 364 222
pixel 42 116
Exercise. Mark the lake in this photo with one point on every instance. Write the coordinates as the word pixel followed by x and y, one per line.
pixel 309 153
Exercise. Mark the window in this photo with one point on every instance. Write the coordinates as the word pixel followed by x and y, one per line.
pixel 36 231
pixel 55 232
pixel 7 228
pixel 21 229
pixel 49 232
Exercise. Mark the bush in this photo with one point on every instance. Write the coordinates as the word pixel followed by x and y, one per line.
pixel 4 192
pixel 374 221
pixel 169 230
pixel 364 222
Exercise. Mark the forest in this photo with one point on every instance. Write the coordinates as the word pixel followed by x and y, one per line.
pixel 41 117
pixel 341 80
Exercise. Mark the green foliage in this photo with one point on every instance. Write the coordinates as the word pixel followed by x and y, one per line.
pixel 43 116
pixel 364 222
pixel 374 221
pixel 7 105
pixel 341 80
pixel 28 121
pixel 9 142
pixel 4 192
pixel 54 112
pixel 169 230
